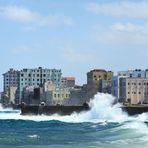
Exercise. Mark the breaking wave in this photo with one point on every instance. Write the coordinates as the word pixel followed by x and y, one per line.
pixel 102 110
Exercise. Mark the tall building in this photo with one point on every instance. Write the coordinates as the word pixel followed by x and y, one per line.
pixel 36 77
pixel 11 79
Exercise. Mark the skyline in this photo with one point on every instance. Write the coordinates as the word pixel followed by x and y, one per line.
pixel 74 36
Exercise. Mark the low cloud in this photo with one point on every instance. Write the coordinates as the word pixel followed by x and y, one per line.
pixel 120 33
pixel 130 27
pixel 25 15
pixel 124 8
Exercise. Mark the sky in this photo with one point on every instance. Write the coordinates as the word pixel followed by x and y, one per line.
pixel 75 36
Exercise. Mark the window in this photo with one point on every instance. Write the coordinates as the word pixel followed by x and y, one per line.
pixel 128 92
pixel 37 79
pixel 29 75
pixel 22 75
pixel 139 92
pixel 37 75
pixel 139 75
pixel 128 83
pixel 139 83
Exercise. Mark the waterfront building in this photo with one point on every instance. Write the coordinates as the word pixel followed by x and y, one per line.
pixel 98 80
pixel 37 77
pixel 57 96
pixel 28 94
pixel 116 86
pixel 135 90
pixel 10 79
pixel 78 95
pixel 137 73
pixel 124 91
pixel 68 82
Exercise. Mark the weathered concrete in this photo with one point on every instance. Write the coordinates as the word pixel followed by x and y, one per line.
pixel 48 110
pixel 135 109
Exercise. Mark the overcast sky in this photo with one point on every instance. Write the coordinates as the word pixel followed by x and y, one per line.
pixel 73 35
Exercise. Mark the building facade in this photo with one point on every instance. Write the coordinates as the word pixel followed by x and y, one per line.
pixel 135 90
pixel 37 77
pixel 10 79
pixel 130 86
pixel 68 82
pixel 98 80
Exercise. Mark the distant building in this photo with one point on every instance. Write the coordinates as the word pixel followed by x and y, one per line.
pixel 68 81
pixel 55 95
pixel 28 94
pixel 137 73
pixel 125 86
pixel 77 96
pixel 135 90
pixel 37 77
pixel 11 79
pixel 98 80
pixel 116 89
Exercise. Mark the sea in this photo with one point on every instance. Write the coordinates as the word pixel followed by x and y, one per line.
pixel 104 126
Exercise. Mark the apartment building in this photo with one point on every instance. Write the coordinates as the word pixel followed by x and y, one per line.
pixel 37 77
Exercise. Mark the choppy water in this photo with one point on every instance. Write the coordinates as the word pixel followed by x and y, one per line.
pixel 104 126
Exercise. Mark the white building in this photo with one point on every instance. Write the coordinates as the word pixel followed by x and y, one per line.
pixel 36 77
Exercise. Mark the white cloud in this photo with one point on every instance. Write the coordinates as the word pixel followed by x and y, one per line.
pixel 25 15
pixel 120 33
pixel 130 27
pixel 124 8
pixel 71 55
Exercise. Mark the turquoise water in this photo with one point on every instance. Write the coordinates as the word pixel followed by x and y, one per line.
pixel 104 126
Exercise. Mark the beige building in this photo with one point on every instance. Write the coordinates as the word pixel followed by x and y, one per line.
pixel 55 95
pixel 59 95
pixel 49 86
pixel 136 90
pixel 97 80
pixel 98 74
